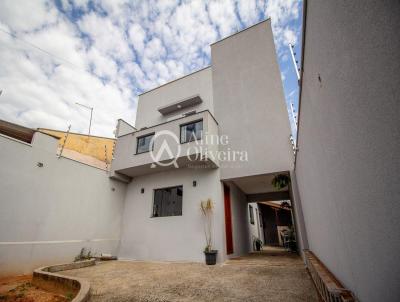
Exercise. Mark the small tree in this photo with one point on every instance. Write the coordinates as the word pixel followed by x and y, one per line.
pixel 207 211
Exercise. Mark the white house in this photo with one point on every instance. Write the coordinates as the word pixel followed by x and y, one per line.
pixel 221 133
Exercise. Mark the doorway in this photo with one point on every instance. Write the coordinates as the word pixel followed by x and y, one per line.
pixel 277 223
pixel 228 220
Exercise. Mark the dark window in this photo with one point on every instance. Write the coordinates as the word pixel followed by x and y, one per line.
pixel 191 131
pixel 143 143
pixel 251 214
pixel 168 202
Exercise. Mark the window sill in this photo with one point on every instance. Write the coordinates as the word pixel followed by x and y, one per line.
pixel 166 216
pixel 137 153
pixel 193 140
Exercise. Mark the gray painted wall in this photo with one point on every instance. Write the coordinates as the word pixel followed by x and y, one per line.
pixel 244 88
pixel 48 214
pixel 349 138
pixel 128 162
pixel 198 83
pixel 174 238
pixel 249 103
pixel 240 227
pixel 123 128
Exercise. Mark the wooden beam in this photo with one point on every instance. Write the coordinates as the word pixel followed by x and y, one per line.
pixel 271 196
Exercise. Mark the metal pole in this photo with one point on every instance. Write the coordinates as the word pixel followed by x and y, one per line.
pixel 90 123
pixel 91 114
pixel 65 140
pixel 294 61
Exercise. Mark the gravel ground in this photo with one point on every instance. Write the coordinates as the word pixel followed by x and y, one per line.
pixel 272 275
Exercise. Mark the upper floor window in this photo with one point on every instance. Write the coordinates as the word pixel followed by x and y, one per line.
pixel 168 202
pixel 143 143
pixel 191 131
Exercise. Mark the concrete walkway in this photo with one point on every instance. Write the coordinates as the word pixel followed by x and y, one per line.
pixel 272 275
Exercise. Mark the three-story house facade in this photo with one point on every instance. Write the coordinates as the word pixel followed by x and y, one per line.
pixel 221 133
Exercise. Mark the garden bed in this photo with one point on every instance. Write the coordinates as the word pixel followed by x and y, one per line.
pixel 21 289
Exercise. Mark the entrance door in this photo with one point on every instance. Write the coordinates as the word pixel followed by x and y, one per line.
pixel 270 227
pixel 228 220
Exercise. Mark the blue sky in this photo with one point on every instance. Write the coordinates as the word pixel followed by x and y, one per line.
pixel 104 53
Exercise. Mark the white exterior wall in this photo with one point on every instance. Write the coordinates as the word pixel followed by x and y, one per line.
pixel 240 228
pixel 123 128
pixel 244 86
pixel 249 103
pixel 348 164
pixel 174 238
pixel 48 214
pixel 128 162
pixel 197 83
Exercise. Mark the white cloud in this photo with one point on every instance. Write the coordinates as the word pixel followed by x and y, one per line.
pixel 107 37
pixel 40 90
pixel 248 11
pixel 137 36
pixel 222 14
pixel 113 51
pixel 281 13
pixel 289 36
pixel 154 49
pixel 23 15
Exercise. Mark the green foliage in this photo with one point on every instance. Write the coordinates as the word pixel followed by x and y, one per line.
pixel 69 296
pixel 85 254
pixel 257 242
pixel 280 181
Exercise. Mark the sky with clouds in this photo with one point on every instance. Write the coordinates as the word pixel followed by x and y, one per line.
pixel 103 53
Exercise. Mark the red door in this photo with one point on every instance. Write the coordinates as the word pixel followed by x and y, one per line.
pixel 228 220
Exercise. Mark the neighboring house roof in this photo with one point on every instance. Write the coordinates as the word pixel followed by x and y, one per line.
pixel 95 151
pixel 16 131
pixel 92 150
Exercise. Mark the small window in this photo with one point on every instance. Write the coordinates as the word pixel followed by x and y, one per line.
pixel 168 202
pixel 251 214
pixel 143 143
pixel 191 131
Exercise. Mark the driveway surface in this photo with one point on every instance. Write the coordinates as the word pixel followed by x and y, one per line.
pixel 272 275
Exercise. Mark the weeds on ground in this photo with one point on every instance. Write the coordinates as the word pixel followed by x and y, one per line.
pixel 85 254
pixel 69 296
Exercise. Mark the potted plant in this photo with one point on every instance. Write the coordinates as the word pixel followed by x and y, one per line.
pixel 280 181
pixel 257 243
pixel 207 211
